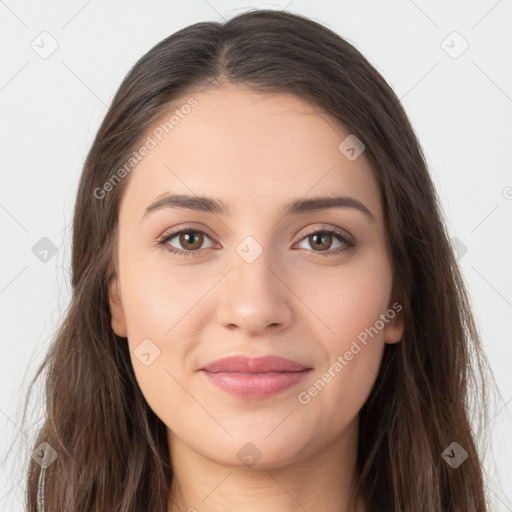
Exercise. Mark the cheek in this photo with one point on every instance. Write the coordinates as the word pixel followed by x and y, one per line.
pixel 162 330
pixel 351 335
pixel 157 297
pixel 348 300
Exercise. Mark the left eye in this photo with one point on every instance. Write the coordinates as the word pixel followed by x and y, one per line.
pixel 323 240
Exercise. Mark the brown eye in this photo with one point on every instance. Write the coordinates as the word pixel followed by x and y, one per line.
pixel 321 241
pixel 327 242
pixel 191 240
pixel 186 242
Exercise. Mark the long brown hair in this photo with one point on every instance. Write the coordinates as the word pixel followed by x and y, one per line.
pixel 112 449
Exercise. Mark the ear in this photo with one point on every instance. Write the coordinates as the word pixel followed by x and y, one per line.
pixel 116 309
pixel 395 326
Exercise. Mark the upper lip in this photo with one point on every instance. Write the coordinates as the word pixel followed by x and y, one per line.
pixel 246 364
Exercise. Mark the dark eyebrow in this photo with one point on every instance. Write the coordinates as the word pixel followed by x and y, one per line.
pixel 317 204
pixel 206 204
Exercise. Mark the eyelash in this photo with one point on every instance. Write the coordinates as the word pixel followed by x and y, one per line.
pixel 348 244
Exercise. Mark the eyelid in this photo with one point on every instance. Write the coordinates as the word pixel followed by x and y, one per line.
pixel 326 227
pixel 169 235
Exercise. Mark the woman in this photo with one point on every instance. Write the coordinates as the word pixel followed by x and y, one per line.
pixel 266 310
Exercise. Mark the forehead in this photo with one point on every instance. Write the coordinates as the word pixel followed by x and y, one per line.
pixel 245 147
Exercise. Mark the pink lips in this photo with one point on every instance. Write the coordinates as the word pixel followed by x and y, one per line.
pixel 249 377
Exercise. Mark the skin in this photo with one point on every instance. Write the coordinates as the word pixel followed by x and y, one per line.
pixel 255 152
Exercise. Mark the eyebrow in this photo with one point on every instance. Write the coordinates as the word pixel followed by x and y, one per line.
pixel 210 205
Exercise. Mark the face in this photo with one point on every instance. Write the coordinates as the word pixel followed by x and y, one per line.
pixel 254 279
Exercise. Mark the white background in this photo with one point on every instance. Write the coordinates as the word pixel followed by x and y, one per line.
pixel 461 109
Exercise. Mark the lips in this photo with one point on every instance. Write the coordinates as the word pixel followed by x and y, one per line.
pixel 245 364
pixel 255 378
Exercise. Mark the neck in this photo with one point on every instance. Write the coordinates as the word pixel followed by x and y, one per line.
pixel 322 481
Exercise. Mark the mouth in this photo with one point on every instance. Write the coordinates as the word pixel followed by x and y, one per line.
pixel 261 377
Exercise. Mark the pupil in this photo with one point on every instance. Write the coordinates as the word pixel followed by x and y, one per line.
pixel 190 238
pixel 320 240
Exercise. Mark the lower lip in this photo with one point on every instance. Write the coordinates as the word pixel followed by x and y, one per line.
pixel 255 385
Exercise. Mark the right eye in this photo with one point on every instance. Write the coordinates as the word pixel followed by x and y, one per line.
pixel 190 239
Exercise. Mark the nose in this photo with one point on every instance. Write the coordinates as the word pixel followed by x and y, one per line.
pixel 255 296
